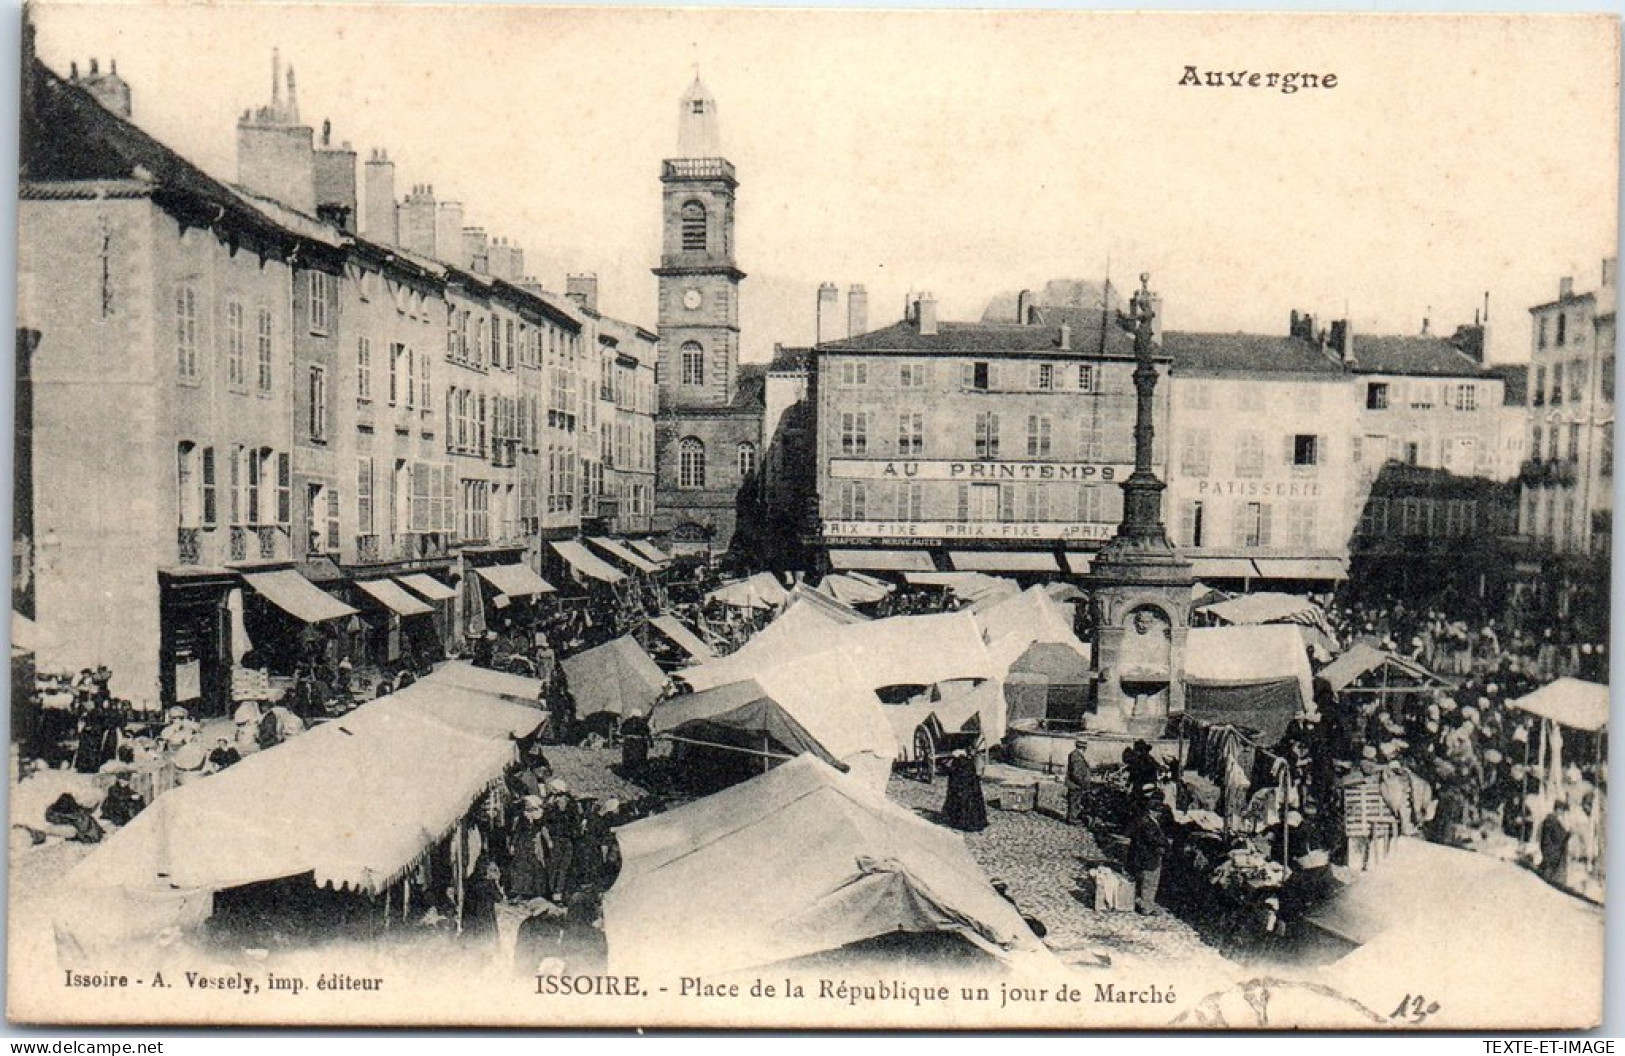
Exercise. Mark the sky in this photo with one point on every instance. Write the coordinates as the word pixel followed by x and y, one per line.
pixel 957 152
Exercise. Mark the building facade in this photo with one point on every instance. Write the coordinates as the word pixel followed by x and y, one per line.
pixel 268 395
pixel 1568 479
pixel 709 437
pixel 993 447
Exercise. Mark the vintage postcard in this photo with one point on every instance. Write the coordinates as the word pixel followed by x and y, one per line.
pixel 555 517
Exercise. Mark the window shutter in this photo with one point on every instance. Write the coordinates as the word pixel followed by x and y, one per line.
pixel 284 490
pixel 332 520
pixel 1287 458
pixel 1263 524
pixel 210 509
pixel 1187 523
pixel 1007 502
pixel 964 502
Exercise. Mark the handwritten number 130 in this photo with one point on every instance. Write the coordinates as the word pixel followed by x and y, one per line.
pixel 1415 1008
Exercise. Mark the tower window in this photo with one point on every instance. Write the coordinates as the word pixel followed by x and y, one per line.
pixel 693 226
pixel 698 106
pixel 690 463
pixel 747 460
pixel 693 358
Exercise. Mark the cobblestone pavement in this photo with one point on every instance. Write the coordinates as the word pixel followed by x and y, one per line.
pixel 1045 862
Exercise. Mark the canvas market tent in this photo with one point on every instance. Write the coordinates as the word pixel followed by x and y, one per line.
pixel 1049 680
pixel 968 586
pixel 1012 623
pixel 679 634
pixel 1570 702
pixel 516 689
pixel 760 591
pixel 1255 677
pixel 849 590
pixel 1366 671
pixel 1267 607
pixel 616 678
pixel 1470 925
pixel 740 716
pixel 798 861
pixel 356 801
pixel 800 630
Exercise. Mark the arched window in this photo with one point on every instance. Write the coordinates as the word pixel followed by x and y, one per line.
pixel 693 363
pixel 747 460
pixel 690 463
pixel 693 226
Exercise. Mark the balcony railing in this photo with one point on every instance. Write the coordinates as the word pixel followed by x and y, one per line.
pixel 267 536
pixel 239 544
pixel 366 548
pixel 697 169
pixel 189 543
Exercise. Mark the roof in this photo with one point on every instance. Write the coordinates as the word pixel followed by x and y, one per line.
pixel 1417 355
pixel 1570 702
pixel 391 778
pixel 797 861
pixel 990 339
pixel 789 359
pixel 1363 658
pixel 1515 379
pixel 1246 353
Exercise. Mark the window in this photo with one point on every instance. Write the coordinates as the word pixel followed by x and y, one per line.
pixel 507 343
pixel 1038 436
pixel 693 358
pixel 263 353
pixel 236 346
pixel 987 435
pixel 1541 338
pixel 1421 396
pixel 363 372
pixel 1249 455
pixel 496 340
pixel 1035 505
pixel 690 463
pixel 186 332
pixel 911 501
pixel 1607 393
pixel 1551 445
pixel 397 353
pixel 1301 525
pixel 284 488
pixel 234 494
pixel 318 404
pixel 1304 450
pixel 1574 441
pixel 1086 377
pixel 1043 377
pixel 977 376
pixel 910 433
pixel 1193 455
pixel 1376 396
pixel 912 375
pixel 319 289
pixel 252 485
pixel 854 372
pixel 411 379
pixel 1562 328
pixel 979 502
pixel 854 500
pixel 1605 457
pixel 1557 383
pixel 854 432
pixel 1466 397
pixel 1539 396
pixel 1190 522
pixel 747 460
pixel 186 489
pixel 1092 437
pixel 363 496
pixel 211 509
pixel 693 226
pixel 1253 524
pixel 1412 452
pixel 1577 379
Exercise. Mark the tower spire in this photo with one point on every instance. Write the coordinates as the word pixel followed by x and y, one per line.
pixel 697 132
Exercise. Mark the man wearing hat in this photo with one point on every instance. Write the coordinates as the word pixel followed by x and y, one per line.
pixel 527 868
pixel 1147 843
pixel 1078 778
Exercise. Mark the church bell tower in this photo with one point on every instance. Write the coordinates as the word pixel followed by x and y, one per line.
pixel 699 282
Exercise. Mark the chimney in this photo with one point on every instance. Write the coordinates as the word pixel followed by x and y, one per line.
pixel 107 88
pixel 1342 340
pixel 1565 287
pixel 276 156
pixel 829 302
pixel 583 289
pixel 379 222
pixel 857 310
pixel 476 250
pixel 417 221
pixel 1065 340
pixel 448 233
pixel 293 98
pixel 335 182
pixel 927 311
pixel 1025 313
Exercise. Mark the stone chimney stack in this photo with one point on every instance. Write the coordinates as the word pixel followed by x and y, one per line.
pixel 334 175
pixel 927 315
pixel 583 289
pixel 857 310
pixel 476 251
pixel 417 221
pixel 379 222
pixel 107 88
pixel 448 233
pixel 1026 308
pixel 829 296
pixel 276 155
pixel 1565 287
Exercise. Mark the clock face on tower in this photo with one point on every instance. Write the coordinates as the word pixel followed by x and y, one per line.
pixel 691 299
